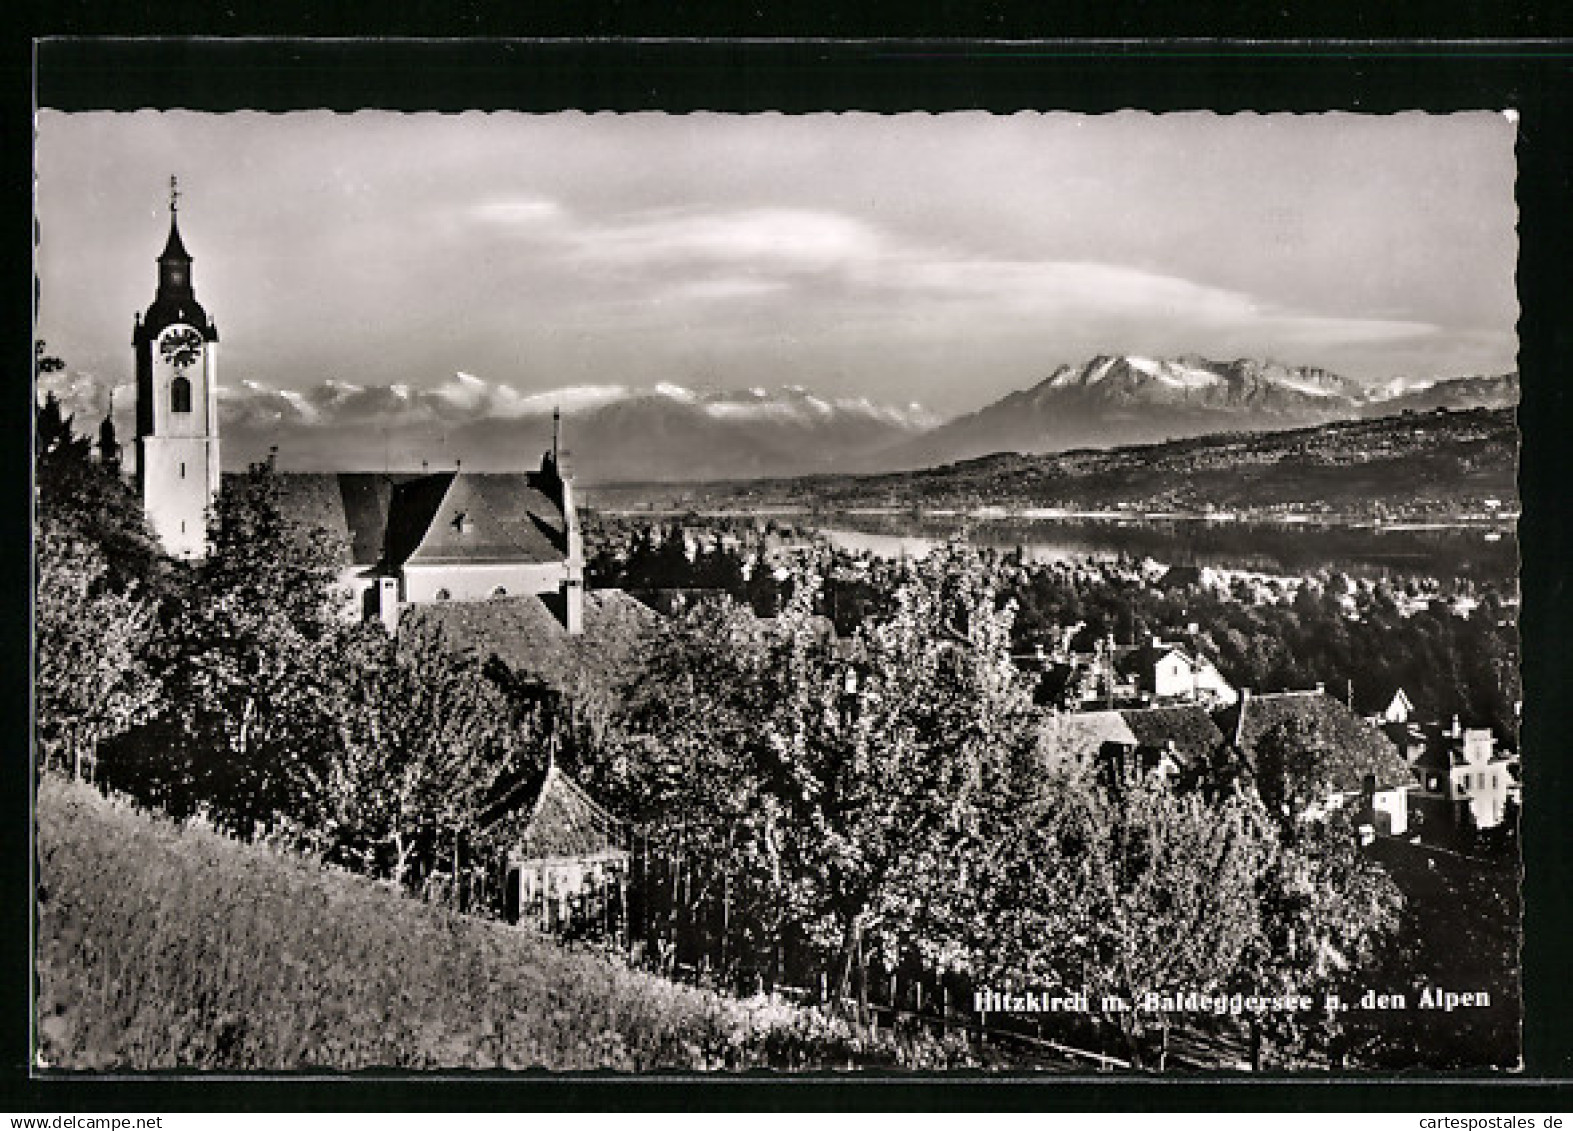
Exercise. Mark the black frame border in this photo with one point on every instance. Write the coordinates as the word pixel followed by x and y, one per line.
pixel 803 75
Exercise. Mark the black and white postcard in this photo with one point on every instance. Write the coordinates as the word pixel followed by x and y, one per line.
pixel 822 592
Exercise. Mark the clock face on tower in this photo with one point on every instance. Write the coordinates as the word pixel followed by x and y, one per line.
pixel 181 347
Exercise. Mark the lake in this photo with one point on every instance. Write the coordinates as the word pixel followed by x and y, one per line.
pixel 1482 552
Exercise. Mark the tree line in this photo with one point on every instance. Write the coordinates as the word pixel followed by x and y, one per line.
pixel 1448 664
pixel 894 801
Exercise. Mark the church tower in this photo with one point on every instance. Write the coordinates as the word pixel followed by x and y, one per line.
pixel 176 347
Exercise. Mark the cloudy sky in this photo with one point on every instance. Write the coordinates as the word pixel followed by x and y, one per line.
pixel 472 266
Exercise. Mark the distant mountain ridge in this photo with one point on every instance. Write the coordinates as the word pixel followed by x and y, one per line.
pixel 672 433
pixel 616 432
pixel 1439 463
pixel 1116 400
pixel 676 433
pixel 1501 391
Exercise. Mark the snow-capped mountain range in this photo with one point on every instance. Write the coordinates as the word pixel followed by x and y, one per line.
pixel 1114 400
pixel 616 432
pixel 677 433
pixel 672 432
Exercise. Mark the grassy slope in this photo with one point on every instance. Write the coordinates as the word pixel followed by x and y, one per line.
pixel 168 947
pixel 163 947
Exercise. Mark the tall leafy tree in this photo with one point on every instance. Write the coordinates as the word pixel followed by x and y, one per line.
pixel 683 766
pixel 889 761
pixel 255 644
pixel 92 680
pixel 1121 885
pixel 94 597
pixel 833 790
pixel 426 741
pixel 1326 906
pixel 75 492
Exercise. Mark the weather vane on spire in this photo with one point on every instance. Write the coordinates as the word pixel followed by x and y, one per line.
pixel 174 193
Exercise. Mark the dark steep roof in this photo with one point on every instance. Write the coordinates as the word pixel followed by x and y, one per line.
pixel 366 500
pixel 175 247
pixel 1192 731
pixel 561 821
pixel 1082 737
pixel 526 634
pixel 411 512
pixel 352 507
pixel 484 518
pixel 1359 747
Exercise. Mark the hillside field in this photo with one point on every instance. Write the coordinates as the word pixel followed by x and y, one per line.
pixel 161 947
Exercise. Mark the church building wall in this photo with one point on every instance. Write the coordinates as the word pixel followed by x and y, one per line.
pixel 355 582
pixel 467 582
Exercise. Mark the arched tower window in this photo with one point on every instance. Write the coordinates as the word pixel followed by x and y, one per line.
pixel 180 395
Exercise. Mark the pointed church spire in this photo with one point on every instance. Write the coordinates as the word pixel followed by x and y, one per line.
pixel 108 442
pixel 174 264
pixel 176 298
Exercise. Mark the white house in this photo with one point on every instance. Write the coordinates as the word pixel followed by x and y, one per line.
pixel 1169 672
pixel 1463 767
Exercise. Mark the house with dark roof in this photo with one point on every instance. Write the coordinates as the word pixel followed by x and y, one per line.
pixel 449 536
pixel 1183 736
pixel 1363 767
pixel 1168 672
